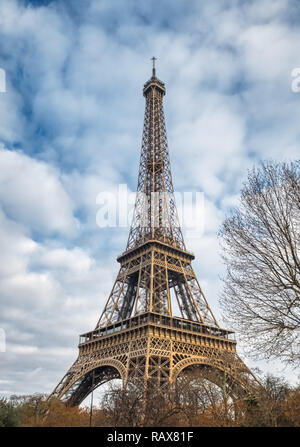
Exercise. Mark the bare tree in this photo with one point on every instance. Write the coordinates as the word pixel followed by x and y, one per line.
pixel 202 401
pixel 261 249
pixel 200 396
pixel 136 405
pixel 123 406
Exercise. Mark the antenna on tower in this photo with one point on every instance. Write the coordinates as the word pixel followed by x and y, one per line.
pixel 153 67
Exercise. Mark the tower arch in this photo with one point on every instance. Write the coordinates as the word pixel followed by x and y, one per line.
pixel 86 379
pixel 238 383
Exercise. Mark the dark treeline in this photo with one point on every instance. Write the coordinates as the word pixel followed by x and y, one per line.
pixel 197 402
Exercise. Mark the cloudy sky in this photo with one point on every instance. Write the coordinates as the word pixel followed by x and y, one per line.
pixel 70 127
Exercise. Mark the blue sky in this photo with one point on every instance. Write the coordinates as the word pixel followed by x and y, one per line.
pixel 71 125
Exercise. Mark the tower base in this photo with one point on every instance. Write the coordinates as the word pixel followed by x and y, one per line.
pixel 156 347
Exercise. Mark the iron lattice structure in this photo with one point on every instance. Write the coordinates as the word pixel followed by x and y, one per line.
pixel 138 335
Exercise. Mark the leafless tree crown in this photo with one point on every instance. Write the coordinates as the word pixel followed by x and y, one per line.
pixel 261 249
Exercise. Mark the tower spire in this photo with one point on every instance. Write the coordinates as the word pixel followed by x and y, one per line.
pixel 153 66
pixel 155 268
pixel 155 213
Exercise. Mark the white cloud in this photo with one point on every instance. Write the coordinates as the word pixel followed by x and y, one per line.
pixel 74 261
pixel 49 294
pixel 22 349
pixel 213 142
pixel 269 51
pixel 31 193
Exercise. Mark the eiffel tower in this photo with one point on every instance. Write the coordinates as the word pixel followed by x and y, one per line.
pixel 138 334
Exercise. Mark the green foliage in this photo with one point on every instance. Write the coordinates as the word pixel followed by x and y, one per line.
pixel 31 408
pixel 9 416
